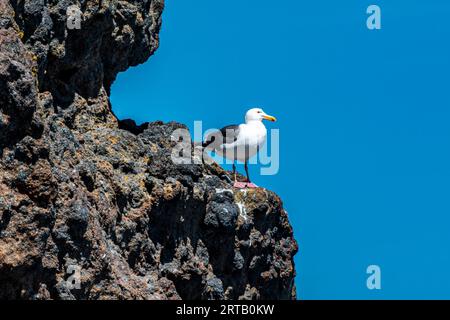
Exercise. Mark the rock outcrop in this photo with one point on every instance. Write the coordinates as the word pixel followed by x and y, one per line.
pixel 92 207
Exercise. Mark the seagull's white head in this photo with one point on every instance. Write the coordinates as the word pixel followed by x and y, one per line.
pixel 257 114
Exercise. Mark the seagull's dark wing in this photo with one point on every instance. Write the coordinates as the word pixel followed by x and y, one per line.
pixel 230 133
pixel 227 134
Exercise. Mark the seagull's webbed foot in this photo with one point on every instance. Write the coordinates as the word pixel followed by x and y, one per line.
pixel 243 185
pixel 251 185
pixel 240 185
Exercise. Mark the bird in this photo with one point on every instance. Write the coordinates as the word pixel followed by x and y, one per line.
pixel 240 142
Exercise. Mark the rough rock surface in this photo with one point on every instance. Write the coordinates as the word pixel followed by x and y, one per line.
pixel 92 207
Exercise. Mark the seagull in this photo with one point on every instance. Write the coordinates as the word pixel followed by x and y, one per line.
pixel 240 142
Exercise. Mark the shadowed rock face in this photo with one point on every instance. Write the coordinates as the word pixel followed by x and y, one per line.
pixel 94 208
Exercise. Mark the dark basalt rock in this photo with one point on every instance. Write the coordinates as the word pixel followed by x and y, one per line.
pixel 94 208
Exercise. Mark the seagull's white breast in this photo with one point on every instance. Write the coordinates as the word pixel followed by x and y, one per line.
pixel 251 136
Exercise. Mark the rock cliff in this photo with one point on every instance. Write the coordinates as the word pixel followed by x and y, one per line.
pixel 92 207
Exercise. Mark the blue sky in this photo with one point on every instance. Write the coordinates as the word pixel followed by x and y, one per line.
pixel 363 118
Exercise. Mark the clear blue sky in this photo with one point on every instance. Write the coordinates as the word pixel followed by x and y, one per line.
pixel 364 119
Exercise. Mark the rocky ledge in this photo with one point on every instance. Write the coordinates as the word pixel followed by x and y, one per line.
pixel 92 207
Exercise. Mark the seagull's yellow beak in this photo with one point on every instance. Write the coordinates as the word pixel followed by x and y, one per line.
pixel 270 118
